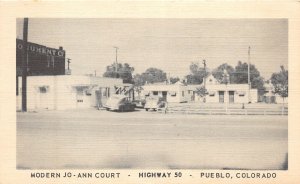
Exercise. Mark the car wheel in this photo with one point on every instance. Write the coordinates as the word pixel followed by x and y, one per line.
pixel 146 109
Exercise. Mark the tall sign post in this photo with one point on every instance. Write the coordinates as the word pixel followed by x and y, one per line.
pixel 204 82
pixel 116 68
pixel 24 65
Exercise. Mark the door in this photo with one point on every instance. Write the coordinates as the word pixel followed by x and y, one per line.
pixel 99 98
pixel 164 95
pixel 231 96
pixel 43 97
pixel 221 96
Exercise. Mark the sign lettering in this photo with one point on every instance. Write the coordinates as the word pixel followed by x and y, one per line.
pixel 31 47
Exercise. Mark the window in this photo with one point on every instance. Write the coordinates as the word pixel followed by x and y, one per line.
pixel 108 92
pixel 182 93
pixel 79 92
pixel 173 93
pixel 88 93
pixel 155 92
pixel 211 93
pixel 241 93
pixel 43 89
pixel 104 92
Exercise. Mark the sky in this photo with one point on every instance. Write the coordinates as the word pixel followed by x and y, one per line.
pixel 168 44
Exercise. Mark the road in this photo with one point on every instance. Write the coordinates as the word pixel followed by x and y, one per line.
pixel 91 139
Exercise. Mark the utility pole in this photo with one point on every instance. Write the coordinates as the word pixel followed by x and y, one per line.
pixel 116 63
pixel 204 81
pixel 249 79
pixel 24 65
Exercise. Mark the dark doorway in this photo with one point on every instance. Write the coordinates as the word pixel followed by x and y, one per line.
pixel 221 96
pixel 99 98
pixel 164 95
pixel 231 96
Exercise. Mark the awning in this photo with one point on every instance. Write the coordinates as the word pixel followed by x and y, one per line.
pixel 172 93
pixel 241 93
pixel 84 88
pixel 211 93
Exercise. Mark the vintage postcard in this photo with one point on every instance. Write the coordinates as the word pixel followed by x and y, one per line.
pixel 140 92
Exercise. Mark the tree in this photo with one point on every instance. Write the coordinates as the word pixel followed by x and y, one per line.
pixel 201 91
pixel 173 80
pixel 218 73
pixel 120 71
pixel 281 83
pixel 151 75
pixel 240 76
pixel 138 80
pixel 197 74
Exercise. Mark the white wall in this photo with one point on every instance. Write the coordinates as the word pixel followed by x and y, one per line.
pixel 62 93
pixel 238 89
pixel 178 88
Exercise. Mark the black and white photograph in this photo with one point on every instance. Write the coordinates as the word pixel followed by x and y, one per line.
pixel 152 93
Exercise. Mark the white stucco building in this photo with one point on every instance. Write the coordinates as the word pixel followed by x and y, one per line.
pixel 170 92
pixel 225 93
pixel 68 91
pixel 230 93
pixel 216 92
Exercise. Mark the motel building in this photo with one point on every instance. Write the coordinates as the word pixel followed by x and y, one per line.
pixel 216 92
pixel 169 92
pixel 62 92
pixel 225 93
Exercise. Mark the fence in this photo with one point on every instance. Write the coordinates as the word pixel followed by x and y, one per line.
pixel 224 110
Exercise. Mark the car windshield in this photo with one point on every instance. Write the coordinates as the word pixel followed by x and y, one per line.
pixel 157 99
pixel 116 97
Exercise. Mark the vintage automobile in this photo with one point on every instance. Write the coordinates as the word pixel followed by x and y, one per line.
pixel 119 103
pixel 139 103
pixel 155 103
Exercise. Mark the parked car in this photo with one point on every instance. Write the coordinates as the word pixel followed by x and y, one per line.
pixel 139 103
pixel 119 103
pixel 154 103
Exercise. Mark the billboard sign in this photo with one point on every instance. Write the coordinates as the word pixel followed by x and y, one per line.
pixel 42 60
